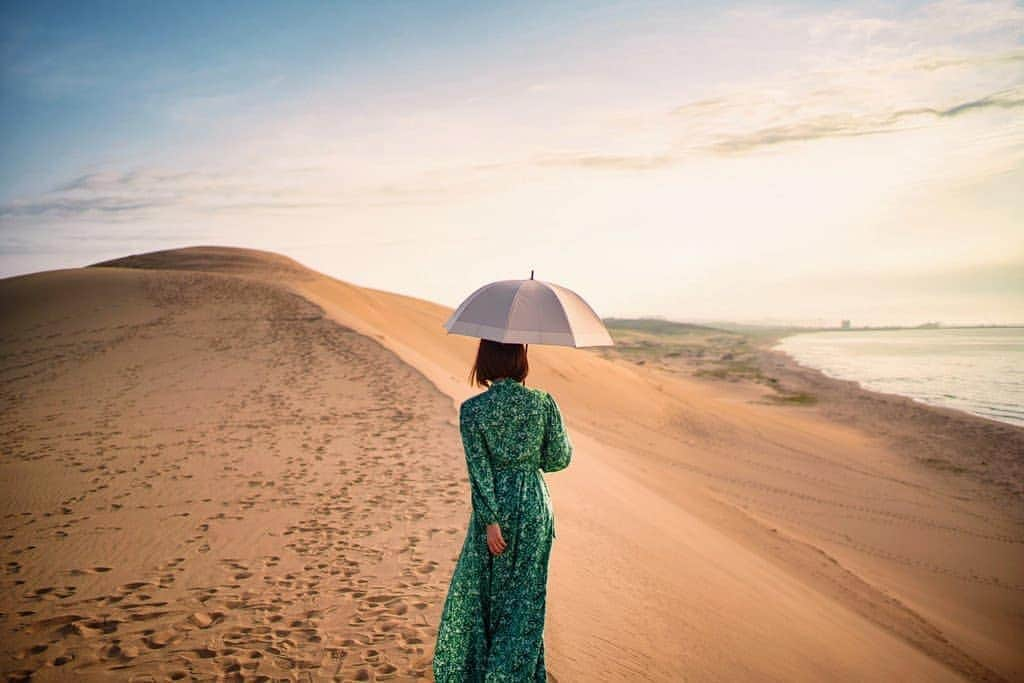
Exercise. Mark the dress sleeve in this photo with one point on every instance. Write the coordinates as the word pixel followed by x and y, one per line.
pixel 556 451
pixel 481 480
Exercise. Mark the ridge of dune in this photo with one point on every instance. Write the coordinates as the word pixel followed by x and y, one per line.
pixel 214 259
pixel 708 536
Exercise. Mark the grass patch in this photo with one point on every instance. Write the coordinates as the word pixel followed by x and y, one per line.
pixel 655 326
pixel 731 370
pixel 799 398
pixel 944 465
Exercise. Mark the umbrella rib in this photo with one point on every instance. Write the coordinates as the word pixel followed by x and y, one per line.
pixel 512 308
pixel 565 313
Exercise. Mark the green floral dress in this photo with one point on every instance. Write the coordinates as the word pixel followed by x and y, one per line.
pixel 492 623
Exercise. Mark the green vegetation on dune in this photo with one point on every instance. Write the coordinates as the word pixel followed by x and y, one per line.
pixel 801 398
pixel 655 326
pixel 699 351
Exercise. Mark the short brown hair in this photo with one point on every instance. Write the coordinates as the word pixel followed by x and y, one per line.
pixel 496 359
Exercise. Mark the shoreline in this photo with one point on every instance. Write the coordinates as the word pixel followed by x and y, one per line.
pixel 770 343
pixel 947 440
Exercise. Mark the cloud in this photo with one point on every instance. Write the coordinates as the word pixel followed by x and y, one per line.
pixel 100 181
pixel 71 206
pixel 935 63
pixel 848 125
pixel 865 76
pixel 1010 99
pixel 820 127
pixel 109 195
pixel 607 161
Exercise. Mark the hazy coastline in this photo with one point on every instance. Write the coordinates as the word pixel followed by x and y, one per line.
pixel 947 439
pixel 987 452
pixel 973 369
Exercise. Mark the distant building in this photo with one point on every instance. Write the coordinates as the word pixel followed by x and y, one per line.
pixel 845 325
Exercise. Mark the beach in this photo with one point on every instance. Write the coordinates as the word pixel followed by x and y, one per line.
pixel 988 454
pixel 219 463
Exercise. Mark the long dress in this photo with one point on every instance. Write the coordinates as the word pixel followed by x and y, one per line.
pixel 492 623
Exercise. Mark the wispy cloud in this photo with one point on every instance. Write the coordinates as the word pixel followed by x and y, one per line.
pixel 139 192
pixel 796 130
pixel 608 161
pixel 1010 99
pixel 144 192
pixel 936 63
pixel 850 125
pixel 865 76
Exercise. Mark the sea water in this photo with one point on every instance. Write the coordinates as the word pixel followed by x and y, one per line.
pixel 977 370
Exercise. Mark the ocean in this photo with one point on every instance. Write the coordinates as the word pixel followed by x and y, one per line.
pixel 977 370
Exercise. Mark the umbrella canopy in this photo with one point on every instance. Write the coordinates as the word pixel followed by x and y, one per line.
pixel 529 312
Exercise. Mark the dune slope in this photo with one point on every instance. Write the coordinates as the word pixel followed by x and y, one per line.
pixel 203 477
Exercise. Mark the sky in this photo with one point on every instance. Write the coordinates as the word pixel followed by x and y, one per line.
pixel 777 162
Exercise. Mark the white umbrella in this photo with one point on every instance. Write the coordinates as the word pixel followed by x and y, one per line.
pixel 529 312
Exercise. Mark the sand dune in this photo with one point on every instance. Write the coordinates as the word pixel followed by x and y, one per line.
pixel 212 466
pixel 204 477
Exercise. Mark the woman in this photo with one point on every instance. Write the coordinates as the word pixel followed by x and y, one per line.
pixel 492 624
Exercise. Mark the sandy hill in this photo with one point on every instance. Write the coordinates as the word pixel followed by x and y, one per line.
pixel 217 461
pixel 212 259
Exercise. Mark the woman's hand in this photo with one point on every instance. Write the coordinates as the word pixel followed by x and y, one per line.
pixel 495 543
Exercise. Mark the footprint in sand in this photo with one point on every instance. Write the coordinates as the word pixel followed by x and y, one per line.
pixel 205 620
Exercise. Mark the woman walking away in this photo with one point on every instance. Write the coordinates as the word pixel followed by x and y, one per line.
pixel 492 624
